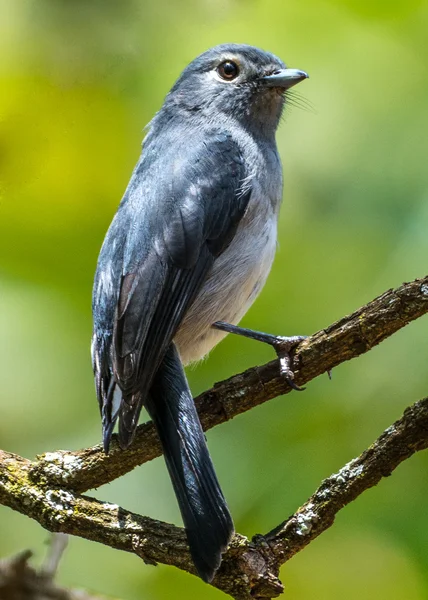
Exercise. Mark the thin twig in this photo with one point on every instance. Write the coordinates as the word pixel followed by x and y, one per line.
pixel 57 545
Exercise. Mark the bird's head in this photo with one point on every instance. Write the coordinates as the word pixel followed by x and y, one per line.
pixel 234 81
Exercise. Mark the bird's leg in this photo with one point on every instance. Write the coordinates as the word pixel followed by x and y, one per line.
pixel 282 345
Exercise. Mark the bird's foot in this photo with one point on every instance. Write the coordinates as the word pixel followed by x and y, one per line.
pixel 282 345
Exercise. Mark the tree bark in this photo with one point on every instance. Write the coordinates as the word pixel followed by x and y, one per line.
pixel 49 488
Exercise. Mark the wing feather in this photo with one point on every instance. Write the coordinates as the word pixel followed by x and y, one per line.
pixel 164 246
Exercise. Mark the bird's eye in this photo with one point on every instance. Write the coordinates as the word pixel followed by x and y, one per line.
pixel 228 70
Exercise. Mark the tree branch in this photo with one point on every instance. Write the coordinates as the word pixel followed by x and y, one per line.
pixel 20 581
pixel 346 339
pixel 250 568
pixel 47 489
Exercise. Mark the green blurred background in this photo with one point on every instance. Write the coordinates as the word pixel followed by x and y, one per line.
pixel 79 80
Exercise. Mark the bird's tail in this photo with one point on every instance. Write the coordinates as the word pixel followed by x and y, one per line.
pixel 206 516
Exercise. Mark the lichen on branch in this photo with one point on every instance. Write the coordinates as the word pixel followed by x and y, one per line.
pixel 49 488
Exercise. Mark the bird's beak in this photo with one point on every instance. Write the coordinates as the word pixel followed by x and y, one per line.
pixel 285 78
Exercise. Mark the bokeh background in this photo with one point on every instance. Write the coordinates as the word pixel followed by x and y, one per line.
pixel 78 82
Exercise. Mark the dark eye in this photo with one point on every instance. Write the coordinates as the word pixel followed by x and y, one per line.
pixel 228 70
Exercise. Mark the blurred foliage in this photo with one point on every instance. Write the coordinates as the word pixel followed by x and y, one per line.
pixel 79 80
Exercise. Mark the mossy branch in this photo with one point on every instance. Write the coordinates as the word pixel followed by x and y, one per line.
pixel 250 568
pixel 48 489
pixel 348 338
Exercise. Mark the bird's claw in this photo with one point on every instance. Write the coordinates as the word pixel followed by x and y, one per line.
pixel 282 345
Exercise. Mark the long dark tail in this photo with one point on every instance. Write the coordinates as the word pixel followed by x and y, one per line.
pixel 204 510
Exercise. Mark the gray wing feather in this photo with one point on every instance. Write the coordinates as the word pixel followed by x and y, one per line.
pixel 155 258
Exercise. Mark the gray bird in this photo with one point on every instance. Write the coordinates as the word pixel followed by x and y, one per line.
pixel 191 244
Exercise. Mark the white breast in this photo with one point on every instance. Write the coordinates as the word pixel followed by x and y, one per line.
pixel 234 282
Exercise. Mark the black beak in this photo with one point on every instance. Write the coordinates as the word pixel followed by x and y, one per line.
pixel 285 78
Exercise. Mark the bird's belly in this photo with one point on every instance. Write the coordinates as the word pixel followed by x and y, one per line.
pixel 237 277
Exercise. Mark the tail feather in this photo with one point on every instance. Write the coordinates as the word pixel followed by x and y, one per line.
pixel 204 510
pixel 129 414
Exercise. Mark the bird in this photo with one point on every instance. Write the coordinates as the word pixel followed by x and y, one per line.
pixel 187 252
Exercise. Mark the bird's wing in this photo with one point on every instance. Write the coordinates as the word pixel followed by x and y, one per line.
pixel 193 219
